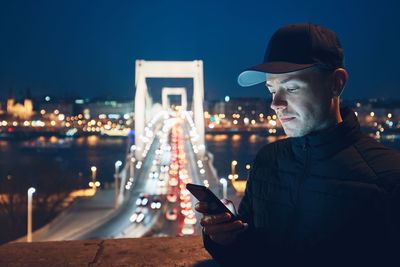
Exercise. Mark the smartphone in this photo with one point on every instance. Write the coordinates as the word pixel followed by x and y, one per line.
pixel 204 194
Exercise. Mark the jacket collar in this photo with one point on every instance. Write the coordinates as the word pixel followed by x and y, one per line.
pixel 330 141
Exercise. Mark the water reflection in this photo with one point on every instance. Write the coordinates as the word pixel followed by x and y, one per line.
pixel 236 137
pixel 53 140
pixel 3 144
pixel 253 138
pixel 240 147
pixel 92 140
pixel 216 137
pixel 61 158
pixel 80 141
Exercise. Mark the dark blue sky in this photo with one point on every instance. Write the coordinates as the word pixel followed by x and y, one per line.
pixel 90 47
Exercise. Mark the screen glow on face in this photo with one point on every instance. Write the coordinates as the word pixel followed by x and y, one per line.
pixel 300 100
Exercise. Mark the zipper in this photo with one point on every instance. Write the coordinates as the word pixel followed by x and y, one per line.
pixel 295 219
pixel 306 149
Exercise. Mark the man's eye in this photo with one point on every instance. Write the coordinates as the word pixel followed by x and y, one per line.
pixel 292 89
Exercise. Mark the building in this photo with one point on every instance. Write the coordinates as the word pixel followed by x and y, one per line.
pixel 56 107
pixel 109 108
pixel 22 110
pixel 246 107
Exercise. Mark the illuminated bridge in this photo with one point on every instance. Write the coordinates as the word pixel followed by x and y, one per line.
pixel 149 197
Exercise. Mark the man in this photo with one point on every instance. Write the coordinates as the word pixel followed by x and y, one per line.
pixel 328 195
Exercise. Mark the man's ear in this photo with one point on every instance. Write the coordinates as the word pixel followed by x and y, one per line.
pixel 340 77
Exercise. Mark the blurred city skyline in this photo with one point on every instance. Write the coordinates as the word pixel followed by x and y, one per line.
pixel 89 48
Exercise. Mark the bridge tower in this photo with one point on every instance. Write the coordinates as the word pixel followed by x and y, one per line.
pixel 168 69
pixel 181 91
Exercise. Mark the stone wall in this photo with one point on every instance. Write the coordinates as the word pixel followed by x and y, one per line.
pixel 152 251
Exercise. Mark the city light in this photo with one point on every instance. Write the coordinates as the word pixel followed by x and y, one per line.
pixel 61 117
pixel 118 164
pixel 31 190
pixel 272 122
pixel 224 183
pixel 380 122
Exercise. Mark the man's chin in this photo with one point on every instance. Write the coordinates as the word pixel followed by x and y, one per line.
pixel 293 132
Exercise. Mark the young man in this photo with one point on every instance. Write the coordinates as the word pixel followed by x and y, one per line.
pixel 328 194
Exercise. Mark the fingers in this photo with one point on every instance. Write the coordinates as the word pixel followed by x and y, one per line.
pixel 221 229
pixel 223 239
pixel 224 234
pixel 201 207
pixel 226 238
pixel 219 226
pixel 215 219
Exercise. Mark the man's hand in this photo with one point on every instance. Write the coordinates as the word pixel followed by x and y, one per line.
pixel 218 226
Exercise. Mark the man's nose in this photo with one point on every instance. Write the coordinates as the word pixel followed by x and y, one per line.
pixel 278 102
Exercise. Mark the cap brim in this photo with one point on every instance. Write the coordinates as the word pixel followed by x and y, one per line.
pixel 256 74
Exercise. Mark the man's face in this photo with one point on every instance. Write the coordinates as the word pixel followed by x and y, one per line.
pixel 301 100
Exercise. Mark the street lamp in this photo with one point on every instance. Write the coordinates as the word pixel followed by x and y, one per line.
pixel 233 165
pixel 132 163
pixel 248 170
pixel 94 171
pixel 31 190
pixel 116 184
pixel 224 183
pixel 133 148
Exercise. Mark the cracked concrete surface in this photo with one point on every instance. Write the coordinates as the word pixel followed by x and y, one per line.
pixel 98 254
pixel 149 251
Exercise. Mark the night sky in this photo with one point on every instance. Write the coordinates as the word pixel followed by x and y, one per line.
pixel 89 48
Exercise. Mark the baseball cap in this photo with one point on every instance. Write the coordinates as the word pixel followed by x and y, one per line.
pixel 295 47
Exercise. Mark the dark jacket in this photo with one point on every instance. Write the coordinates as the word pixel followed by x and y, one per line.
pixel 327 198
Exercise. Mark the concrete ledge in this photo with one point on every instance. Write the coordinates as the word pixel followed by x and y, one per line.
pixel 152 251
